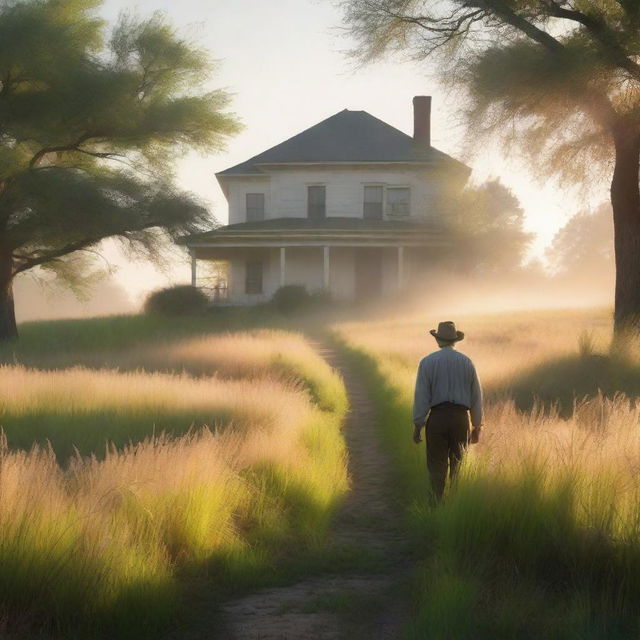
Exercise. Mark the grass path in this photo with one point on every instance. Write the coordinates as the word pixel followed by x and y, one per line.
pixel 365 600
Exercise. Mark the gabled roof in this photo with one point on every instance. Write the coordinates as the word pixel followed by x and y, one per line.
pixel 347 136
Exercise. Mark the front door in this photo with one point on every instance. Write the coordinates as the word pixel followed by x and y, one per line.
pixel 368 272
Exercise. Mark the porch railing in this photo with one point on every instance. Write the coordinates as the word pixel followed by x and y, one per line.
pixel 217 294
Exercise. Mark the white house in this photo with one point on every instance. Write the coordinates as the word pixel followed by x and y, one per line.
pixel 351 206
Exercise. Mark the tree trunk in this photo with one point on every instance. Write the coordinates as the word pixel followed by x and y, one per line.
pixel 8 326
pixel 625 199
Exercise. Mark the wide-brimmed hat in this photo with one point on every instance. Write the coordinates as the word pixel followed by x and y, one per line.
pixel 447 331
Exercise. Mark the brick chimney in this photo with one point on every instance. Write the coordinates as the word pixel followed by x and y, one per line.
pixel 422 120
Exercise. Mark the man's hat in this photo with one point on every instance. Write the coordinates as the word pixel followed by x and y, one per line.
pixel 447 331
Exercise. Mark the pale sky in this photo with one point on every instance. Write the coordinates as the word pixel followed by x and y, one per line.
pixel 284 63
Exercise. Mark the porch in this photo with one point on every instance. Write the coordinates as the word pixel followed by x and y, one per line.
pixel 252 264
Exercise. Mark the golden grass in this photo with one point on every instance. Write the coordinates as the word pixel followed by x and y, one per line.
pixel 502 345
pixel 261 465
pixel 541 538
pixel 80 390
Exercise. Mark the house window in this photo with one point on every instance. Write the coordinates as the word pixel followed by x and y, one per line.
pixel 373 203
pixel 316 202
pixel 253 277
pixel 398 201
pixel 255 207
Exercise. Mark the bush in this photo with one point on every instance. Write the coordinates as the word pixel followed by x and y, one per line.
pixel 176 301
pixel 291 298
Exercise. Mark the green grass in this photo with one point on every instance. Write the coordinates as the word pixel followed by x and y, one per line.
pixel 54 338
pixel 564 381
pixel 116 544
pixel 536 548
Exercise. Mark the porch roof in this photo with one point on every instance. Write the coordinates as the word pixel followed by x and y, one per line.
pixel 329 231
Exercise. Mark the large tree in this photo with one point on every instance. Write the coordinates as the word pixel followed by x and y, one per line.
pixel 583 247
pixel 488 224
pixel 558 78
pixel 90 124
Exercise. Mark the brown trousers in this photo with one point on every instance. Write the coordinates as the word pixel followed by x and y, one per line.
pixel 447 437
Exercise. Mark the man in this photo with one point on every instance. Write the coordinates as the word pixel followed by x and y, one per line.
pixel 447 390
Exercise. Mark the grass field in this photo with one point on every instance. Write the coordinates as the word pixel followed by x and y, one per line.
pixel 142 456
pixel 138 453
pixel 541 538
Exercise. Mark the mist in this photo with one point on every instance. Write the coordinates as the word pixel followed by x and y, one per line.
pixel 449 293
pixel 578 271
pixel 38 300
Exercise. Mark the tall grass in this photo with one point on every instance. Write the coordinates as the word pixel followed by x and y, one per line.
pixel 541 536
pixel 87 410
pixel 171 474
pixel 53 338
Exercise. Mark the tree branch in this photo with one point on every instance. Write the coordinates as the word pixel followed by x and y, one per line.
pixel 503 11
pixel 600 32
pixel 28 262
pixel 72 146
pixel 597 103
pixel 35 160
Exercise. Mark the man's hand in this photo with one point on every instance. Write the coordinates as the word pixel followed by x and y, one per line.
pixel 417 438
pixel 475 435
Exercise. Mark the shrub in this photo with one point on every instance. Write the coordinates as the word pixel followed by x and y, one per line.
pixel 291 298
pixel 176 301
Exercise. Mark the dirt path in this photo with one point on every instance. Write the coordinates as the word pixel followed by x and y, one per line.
pixel 355 604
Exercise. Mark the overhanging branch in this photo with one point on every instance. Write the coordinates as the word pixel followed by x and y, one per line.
pixel 600 31
pixel 73 146
pixel 28 262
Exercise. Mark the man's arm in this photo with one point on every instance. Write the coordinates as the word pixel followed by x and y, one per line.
pixel 476 408
pixel 421 402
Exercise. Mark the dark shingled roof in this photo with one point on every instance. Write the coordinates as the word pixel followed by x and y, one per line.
pixel 347 136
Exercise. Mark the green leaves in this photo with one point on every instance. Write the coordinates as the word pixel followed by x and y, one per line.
pixel 87 118
pixel 55 208
pixel 547 77
pixel 153 50
pixel 487 223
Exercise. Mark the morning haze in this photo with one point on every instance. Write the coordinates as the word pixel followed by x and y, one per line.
pixel 286 67
pixel 363 362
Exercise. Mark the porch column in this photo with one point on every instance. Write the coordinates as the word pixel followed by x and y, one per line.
pixel 400 267
pixel 193 267
pixel 325 267
pixel 283 266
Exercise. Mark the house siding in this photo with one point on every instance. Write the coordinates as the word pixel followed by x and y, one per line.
pixel 286 191
pixel 236 192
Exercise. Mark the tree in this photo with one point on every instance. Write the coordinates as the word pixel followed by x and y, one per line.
pixel 559 79
pixel 90 126
pixel 584 246
pixel 487 221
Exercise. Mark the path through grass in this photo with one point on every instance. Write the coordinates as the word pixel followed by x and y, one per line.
pixel 363 594
pixel 541 538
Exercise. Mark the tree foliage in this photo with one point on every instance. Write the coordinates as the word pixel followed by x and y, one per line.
pixel 91 124
pixel 559 80
pixel 584 245
pixel 487 222
pixel 548 76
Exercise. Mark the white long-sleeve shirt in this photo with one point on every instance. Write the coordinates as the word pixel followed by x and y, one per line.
pixel 447 376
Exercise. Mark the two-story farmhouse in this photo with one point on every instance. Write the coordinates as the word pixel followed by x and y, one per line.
pixel 351 206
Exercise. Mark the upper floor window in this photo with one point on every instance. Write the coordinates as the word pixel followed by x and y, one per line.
pixel 398 201
pixel 373 203
pixel 316 202
pixel 255 207
pixel 253 277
